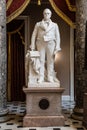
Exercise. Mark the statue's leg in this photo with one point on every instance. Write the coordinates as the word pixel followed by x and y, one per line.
pixel 41 49
pixel 26 69
pixel 50 61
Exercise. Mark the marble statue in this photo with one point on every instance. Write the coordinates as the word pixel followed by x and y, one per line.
pixel 46 39
pixel 32 66
pixel 45 43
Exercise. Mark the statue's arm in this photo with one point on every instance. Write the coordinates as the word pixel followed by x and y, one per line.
pixel 57 36
pixel 33 37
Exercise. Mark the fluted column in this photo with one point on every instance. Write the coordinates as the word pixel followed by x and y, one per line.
pixel 80 72
pixel 3 62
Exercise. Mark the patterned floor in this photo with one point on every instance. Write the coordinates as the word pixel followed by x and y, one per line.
pixel 17 111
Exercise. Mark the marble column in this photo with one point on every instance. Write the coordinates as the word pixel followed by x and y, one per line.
pixel 3 62
pixel 80 72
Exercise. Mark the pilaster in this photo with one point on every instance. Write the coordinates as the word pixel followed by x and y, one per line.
pixel 3 62
pixel 80 72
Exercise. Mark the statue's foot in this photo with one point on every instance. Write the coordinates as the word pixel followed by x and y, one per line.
pixel 56 80
pixel 41 80
pixel 50 80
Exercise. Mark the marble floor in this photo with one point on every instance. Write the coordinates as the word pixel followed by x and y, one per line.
pixel 17 112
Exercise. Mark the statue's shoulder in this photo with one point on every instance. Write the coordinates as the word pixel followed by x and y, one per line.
pixel 38 23
pixel 54 23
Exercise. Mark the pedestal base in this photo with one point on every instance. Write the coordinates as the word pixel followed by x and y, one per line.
pixel 43 106
pixel 43 121
pixel 85 111
pixel 77 114
pixel 4 115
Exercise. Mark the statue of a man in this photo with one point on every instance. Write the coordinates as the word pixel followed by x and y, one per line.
pixel 46 39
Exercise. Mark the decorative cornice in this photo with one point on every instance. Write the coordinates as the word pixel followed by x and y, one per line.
pixel 18 11
pixel 8 4
pixel 72 8
pixel 61 14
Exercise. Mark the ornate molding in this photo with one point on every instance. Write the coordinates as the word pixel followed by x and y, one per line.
pixel 72 8
pixel 18 11
pixel 61 14
pixel 8 4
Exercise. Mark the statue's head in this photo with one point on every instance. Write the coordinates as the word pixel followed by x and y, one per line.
pixel 47 14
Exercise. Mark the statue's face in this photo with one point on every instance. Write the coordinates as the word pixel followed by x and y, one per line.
pixel 47 14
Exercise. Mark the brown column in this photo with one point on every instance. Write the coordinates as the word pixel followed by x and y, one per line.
pixel 3 62
pixel 80 72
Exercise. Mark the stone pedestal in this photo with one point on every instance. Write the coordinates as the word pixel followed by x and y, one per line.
pixel 43 105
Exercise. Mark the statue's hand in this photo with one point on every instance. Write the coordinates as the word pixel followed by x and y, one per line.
pixel 56 51
pixel 31 48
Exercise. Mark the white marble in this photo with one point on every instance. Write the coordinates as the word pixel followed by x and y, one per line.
pixel 32 65
pixel 46 40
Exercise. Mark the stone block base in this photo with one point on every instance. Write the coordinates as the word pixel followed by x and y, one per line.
pixel 43 121
pixel 4 118
pixel 4 115
pixel 43 106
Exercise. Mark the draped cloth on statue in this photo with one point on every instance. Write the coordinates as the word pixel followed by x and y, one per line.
pixel 64 8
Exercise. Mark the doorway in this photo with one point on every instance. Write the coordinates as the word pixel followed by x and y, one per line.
pixel 15 59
